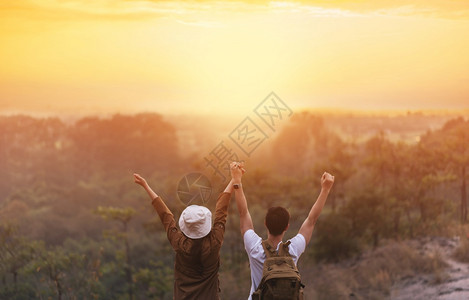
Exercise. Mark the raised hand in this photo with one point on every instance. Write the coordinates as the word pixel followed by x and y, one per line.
pixel 140 180
pixel 327 181
pixel 237 170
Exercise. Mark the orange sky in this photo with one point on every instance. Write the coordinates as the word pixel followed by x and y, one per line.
pixel 100 56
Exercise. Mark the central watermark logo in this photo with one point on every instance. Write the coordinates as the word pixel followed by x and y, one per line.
pixel 250 133
pixel 194 188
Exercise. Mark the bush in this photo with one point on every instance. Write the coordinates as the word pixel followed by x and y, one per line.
pixel 461 253
pixel 372 274
pixel 333 241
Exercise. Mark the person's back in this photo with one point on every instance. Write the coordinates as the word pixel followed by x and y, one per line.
pixel 277 223
pixel 257 255
pixel 196 243
pixel 280 276
pixel 196 266
pixel 199 256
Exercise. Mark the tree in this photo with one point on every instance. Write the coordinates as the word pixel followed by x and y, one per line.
pixel 123 216
pixel 15 254
pixel 340 163
pixel 123 143
pixel 387 174
pixel 332 239
pixel 456 134
pixel 450 145
pixel 368 213
pixel 378 158
pixel 302 144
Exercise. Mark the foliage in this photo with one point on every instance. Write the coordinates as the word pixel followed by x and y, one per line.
pixel 73 225
pixel 16 253
pixel 333 241
pixel 124 216
pixel 372 274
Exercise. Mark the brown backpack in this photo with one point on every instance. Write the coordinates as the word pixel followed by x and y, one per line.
pixel 280 277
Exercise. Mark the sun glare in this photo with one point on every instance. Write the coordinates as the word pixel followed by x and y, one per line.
pixel 222 56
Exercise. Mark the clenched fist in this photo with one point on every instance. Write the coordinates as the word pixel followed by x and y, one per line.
pixel 327 180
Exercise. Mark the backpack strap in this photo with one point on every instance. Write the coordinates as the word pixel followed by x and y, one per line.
pixel 283 249
pixel 271 252
pixel 268 249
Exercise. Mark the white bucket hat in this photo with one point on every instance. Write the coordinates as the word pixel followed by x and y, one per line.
pixel 195 221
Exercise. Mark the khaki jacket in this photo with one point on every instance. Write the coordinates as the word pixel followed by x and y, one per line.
pixel 197 260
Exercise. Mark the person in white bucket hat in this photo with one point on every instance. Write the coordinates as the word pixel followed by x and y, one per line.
pixel 195 221
pixel 197 244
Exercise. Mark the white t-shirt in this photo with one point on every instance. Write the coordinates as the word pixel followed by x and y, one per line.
pixel 255 251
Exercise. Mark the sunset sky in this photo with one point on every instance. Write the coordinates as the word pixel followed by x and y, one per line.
pixel 106 56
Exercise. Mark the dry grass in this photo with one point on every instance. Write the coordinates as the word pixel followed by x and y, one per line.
pixel 437 268
pixel 372 275
pixel 461 253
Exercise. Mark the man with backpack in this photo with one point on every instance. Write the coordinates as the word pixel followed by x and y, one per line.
pixel 274 274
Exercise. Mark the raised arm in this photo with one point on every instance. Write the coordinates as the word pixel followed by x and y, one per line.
pixel 327 180
pixel 166 216
pixel 221 212
pixel 221 208
pixel 245 221
pixel 141 181
pixel 229 187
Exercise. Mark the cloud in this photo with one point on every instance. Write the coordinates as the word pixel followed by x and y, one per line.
pixel 143 9
pixel 85 9
pixel 455 9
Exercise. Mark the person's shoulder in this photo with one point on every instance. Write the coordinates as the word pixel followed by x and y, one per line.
pixel 254 249
pixel 298 237
pixel 251 234
pixel 297 244
pixel 251 239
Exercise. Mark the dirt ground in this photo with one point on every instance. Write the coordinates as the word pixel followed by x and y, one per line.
pixel 452 284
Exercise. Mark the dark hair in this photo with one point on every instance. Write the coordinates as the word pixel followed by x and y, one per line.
pixel 276 220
